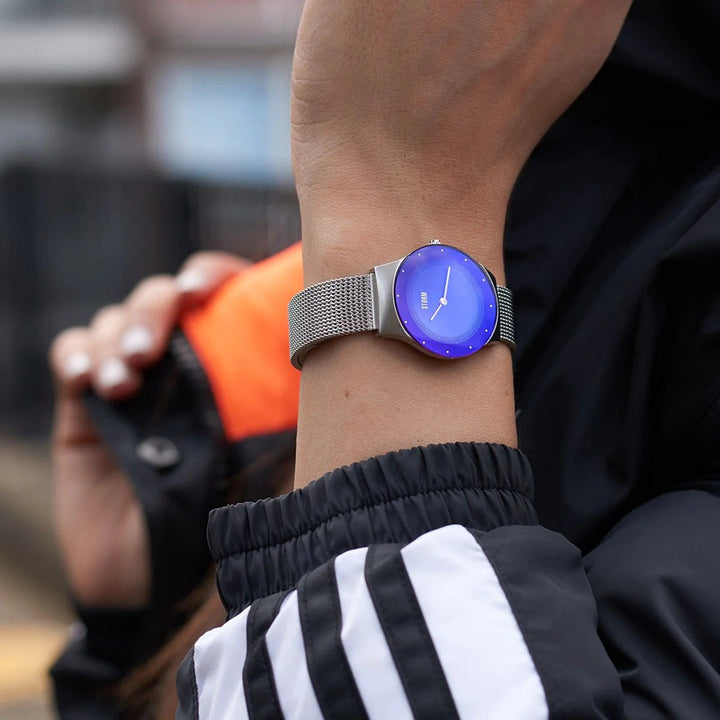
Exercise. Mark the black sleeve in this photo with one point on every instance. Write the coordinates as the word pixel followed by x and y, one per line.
pixel 103 647
pixel 656 579
pixel 412 585
pixel 656 575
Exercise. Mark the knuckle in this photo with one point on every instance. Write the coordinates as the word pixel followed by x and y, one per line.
pixel 65 344
pixel 63 340
pixel 199 258
pixel 158 289
pixel 105 315
pixel 215 260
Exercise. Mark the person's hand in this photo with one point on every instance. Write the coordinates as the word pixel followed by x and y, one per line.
pixel 411 120
pixel 99 522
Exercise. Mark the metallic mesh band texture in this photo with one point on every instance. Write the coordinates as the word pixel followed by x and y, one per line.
pixel 329 309
pixel 506 316
pixel 345 306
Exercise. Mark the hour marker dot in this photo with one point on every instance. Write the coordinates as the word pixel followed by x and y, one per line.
pixel 465 259
pixel 490 306
pixel 406 322
pixel 483 279
pixel 447 352
pixel 424 343
pixel 486 330
pixel 441 250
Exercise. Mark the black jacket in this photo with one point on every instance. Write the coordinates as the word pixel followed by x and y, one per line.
pixel 413 585
pixel 614 257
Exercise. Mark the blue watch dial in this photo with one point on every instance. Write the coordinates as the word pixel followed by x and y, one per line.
pixel 445 301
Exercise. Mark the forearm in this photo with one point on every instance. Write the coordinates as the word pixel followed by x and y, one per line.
pixel 411 121
pixel 362 396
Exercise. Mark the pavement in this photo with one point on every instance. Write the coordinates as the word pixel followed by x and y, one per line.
pixel 34 614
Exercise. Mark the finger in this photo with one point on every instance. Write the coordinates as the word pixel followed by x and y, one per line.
pixel 112 377
pixel 203 273
pixel 151 313
pixel 71 364
pixel 71 361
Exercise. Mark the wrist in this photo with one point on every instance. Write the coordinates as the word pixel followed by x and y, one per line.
pixel 349 232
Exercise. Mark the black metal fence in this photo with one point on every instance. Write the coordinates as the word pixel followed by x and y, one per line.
pixel 72 241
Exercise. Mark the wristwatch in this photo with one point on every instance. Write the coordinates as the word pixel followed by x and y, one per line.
pixel 437 299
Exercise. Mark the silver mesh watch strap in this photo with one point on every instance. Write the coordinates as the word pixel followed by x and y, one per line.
pixel 327 310
pixel 506 317
pixel 345 306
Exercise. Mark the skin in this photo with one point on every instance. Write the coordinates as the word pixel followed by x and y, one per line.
pixel 411 121
pixel 99 522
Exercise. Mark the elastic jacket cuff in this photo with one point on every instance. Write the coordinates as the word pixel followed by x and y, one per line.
pixel 265 547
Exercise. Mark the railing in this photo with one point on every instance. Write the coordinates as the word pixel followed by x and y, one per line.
pixel 73 241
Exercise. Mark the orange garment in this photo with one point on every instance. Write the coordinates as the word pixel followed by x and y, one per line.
pixel 241 339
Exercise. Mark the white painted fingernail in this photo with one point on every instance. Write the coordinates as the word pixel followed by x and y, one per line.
pixel 77 364
pixel 113 372
pixel 191 281
pixel 137 340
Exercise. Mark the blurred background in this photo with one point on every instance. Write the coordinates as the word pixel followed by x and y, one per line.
pixel 132 133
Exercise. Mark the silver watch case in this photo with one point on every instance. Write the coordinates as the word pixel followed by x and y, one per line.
pixel 386 318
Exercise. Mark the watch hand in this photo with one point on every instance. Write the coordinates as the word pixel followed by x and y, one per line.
pixel 447 282
pixel 443 299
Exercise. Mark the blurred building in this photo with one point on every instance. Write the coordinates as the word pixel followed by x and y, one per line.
pixel 216 85
pixel 65 69
pixel 195 88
